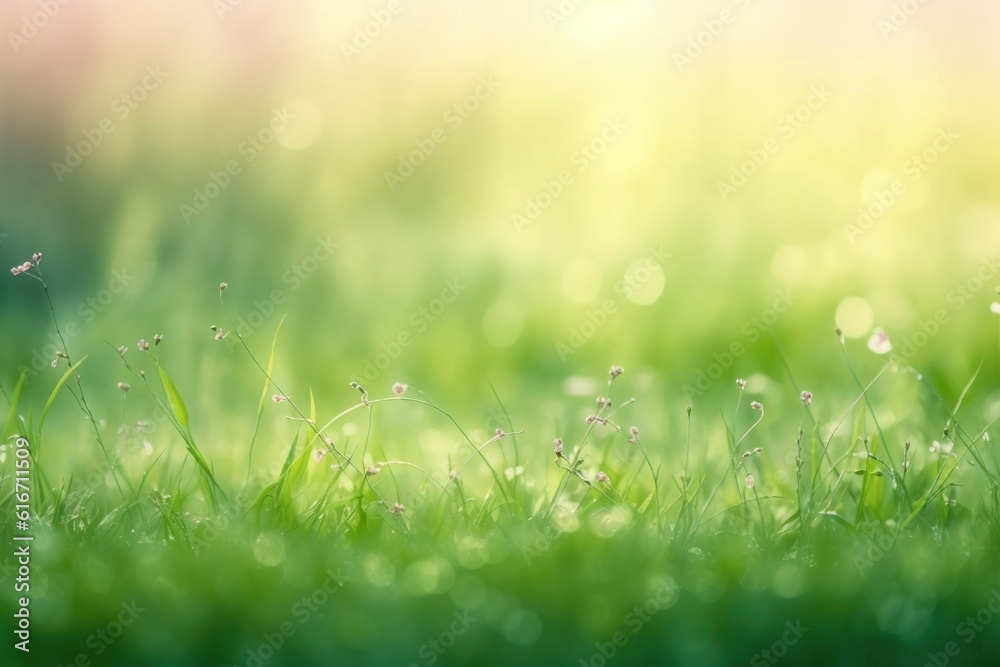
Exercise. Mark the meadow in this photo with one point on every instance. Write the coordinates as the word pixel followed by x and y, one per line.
pixel 565 333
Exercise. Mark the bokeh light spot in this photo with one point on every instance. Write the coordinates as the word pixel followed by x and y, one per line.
pixel 429 577
pixel 502 324
pixel 269 549
pixel 581 280
pixel 378 570
pixel 789 264
pixel 855 317
pixel 644 282
pixel 522 627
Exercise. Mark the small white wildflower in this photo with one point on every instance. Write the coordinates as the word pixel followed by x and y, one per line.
pixel 879 342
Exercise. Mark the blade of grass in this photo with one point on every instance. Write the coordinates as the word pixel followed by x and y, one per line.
pixel 263 396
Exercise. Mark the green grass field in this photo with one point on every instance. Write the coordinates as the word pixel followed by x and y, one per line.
pixel 571 333
pixel 725 536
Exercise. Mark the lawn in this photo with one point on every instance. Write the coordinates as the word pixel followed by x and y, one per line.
pixel 558 334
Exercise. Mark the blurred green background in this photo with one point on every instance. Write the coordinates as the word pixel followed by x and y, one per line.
pixel 517 194
pixel 684 124
pixel 600 182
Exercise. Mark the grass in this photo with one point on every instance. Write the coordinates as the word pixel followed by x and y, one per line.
pixel 582 543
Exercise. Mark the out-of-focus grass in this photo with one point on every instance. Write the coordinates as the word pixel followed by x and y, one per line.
pixel 311 230
pixel 884 537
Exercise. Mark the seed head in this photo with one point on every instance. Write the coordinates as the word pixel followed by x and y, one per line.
pixel 373 470
pixel 123 386
pixel 500 433
pixel 157 338
pixel 602 477
pixel 806 397
pixel 36 258
pixel 741 383
pixel 399 389
pixel 122 350
pixel 223 287
pixel 278 398
pixel 634 431
pixel 398 509
pixel 603 402
pixel 319 454
pixel 750 481
pixel 557 447
pixel 756 405
pixel 616 371
pixel 143 345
